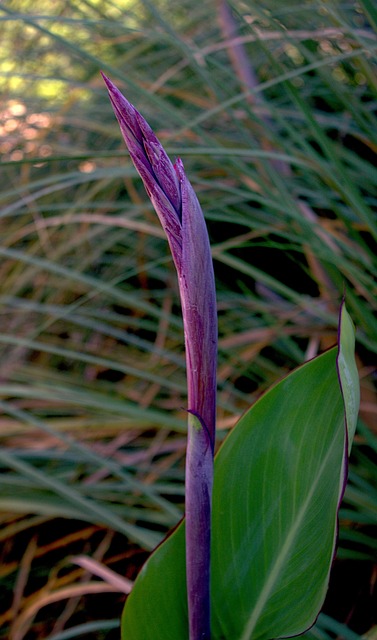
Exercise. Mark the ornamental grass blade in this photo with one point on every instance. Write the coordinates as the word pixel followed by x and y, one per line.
pixel 279 478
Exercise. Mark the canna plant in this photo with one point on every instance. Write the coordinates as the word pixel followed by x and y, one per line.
pixel 252 557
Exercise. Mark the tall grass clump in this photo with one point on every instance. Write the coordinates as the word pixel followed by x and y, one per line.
pixel 273 110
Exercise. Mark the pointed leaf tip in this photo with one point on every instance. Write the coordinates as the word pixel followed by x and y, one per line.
pixel 347 372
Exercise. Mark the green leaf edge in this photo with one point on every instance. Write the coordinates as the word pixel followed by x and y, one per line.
pixel 348 373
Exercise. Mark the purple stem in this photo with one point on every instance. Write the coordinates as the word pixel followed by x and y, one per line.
pixel 181 216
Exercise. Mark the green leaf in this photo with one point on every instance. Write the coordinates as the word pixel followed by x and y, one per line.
pixel 348 374
pixel 279 477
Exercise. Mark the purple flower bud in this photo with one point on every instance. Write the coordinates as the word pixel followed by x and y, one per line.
pixel 181 216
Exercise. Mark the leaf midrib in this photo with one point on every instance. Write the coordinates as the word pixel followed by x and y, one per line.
pixel 285 550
